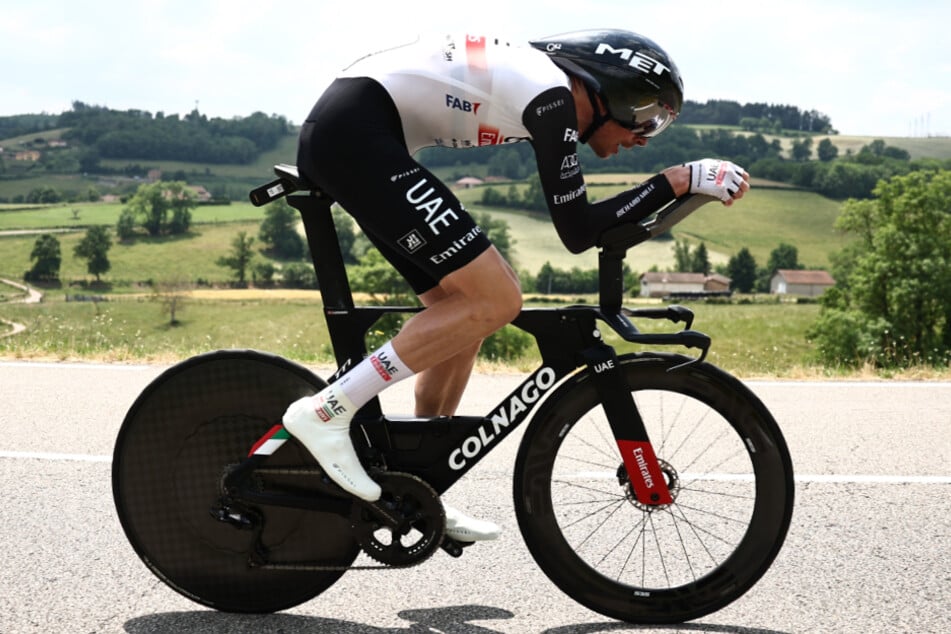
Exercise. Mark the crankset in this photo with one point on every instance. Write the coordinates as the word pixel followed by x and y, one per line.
pixel 405 526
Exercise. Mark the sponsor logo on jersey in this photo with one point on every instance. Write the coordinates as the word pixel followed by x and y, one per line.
pixel 489 135
pixel 449 49
pixel 561 199
pixel 634 59
pixel 475 52
pixel 548 107
pixel 461 104
pixel 412 241
pixel 571 135
pixel 634 203
pixel 456 246
pixel 570 166
pixel 427 200
pixel 396 177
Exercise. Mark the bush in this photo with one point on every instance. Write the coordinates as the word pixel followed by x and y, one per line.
pixel 507 344
pixel 299 276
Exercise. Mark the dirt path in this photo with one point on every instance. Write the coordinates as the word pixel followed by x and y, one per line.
pixel 33 296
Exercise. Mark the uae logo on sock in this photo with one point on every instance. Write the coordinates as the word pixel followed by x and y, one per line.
pixel 329 408
pixel 383 366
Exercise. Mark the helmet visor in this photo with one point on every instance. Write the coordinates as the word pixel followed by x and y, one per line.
pixel 648 118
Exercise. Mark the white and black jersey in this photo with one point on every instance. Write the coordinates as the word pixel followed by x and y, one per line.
pixel 458 91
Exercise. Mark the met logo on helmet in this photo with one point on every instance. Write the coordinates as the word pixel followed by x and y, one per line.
pixel 634 59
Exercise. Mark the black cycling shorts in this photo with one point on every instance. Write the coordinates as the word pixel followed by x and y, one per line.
pixel 352 147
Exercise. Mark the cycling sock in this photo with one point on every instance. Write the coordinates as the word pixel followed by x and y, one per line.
pixel 371 376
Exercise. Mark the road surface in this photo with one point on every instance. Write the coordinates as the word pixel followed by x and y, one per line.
pixel 869 549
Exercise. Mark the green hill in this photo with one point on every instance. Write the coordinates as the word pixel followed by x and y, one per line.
pixel 760 222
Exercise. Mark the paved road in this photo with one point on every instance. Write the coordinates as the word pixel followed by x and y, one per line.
pixel 869 549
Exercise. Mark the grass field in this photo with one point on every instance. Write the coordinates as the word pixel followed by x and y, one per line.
pixel 191 257
pixel 81 215
pixel 760 222
pixel 753 340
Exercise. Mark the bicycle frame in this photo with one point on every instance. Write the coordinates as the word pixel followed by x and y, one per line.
pixel 443 449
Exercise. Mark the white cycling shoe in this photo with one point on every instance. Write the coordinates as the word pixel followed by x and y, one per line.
pixel 329 442
pixel 463 528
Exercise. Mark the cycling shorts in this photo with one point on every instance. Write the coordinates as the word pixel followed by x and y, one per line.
pixel 352 147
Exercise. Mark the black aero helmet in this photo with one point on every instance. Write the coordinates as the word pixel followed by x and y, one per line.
pixel 636 80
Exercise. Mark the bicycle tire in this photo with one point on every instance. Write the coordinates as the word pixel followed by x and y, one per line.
pixel 171 452
pixel 728 468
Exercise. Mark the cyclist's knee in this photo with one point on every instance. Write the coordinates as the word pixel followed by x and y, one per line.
pixel 500 297
pixel 511 301
pixel 495 304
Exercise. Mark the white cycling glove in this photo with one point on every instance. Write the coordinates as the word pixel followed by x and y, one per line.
pixel 713 177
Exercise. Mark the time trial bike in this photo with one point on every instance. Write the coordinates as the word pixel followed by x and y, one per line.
pixel 650 486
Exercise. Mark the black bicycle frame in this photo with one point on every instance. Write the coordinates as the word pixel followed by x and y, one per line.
pixel 443 449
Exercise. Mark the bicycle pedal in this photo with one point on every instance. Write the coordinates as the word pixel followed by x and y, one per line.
pixel 453 547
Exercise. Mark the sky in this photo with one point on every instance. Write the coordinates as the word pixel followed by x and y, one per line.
pixel 875 68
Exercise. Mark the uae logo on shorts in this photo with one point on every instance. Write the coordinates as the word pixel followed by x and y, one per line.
pixel 412 241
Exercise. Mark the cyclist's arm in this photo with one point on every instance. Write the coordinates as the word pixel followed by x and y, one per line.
pixel 551 120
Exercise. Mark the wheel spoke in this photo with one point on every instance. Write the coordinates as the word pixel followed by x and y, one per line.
pixel 606 548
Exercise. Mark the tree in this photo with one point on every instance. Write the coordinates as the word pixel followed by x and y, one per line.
pixel 152 203
pixel 742 270
pixel 94 248
pixel 125 226
pixel 181 200
pixel 171 294
pixel 46 253
pixel 683 262
pixel 239 260
pixel 374 275
pixel 802 150
pixel 695 261
pixel 297 275
pixel 346 235
pixel 498 232
pixel 827 151
pixel 700 263
pixel 894 299
pixel 785 257
pixel 279 230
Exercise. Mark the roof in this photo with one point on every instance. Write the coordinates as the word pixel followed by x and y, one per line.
pixel 665 277
pixel 820 278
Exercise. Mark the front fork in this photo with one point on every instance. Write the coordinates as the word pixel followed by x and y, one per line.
pixel 643 469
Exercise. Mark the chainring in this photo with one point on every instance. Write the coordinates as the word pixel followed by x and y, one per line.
pixel 405 526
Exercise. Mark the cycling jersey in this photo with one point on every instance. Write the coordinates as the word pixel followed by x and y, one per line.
pixel 455 91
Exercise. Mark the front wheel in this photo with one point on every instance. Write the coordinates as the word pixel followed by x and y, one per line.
pixel 726 465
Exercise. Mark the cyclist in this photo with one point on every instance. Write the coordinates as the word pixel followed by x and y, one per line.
pixel 607 88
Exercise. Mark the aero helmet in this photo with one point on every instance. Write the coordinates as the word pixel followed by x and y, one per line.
pixel 636 80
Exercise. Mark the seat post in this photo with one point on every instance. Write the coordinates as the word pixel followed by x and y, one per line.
pixel 324 248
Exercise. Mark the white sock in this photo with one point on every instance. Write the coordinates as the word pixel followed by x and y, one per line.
pixel 371 376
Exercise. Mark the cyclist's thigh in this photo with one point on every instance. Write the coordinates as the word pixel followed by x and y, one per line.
pixel 357 155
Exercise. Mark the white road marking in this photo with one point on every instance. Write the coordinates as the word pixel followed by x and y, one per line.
pixel 820 478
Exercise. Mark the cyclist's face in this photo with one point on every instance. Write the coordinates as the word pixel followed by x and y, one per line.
pixel 612 136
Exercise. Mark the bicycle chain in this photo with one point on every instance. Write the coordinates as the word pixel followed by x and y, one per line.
pixel 316 567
